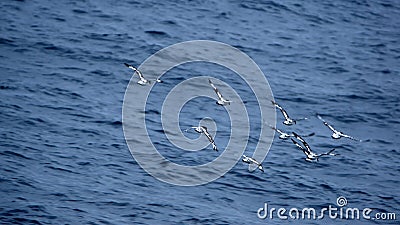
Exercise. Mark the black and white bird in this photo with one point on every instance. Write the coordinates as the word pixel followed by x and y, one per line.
pixel 288 121
pixel 283 135
pixel 336 134
pixel 310 155
pixel 142 80
pixel 221 100
pixel 203 129
pixel 250 160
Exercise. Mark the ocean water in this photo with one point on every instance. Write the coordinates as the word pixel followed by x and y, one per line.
pixel 63 156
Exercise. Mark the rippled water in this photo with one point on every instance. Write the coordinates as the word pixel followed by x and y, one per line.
pixel 63 154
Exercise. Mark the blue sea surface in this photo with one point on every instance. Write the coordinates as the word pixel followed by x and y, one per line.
pixel 63 156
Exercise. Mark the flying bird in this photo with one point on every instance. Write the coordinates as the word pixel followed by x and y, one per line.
pixel 305 147
pixel 336 134
pixel 288 121
pixel 142 80
pixel 250 160
pixel 203 129
pixel 221 100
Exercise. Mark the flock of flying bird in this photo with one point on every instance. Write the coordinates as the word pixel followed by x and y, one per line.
pixel 295 138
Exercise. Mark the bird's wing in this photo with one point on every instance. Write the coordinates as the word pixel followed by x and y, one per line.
pixel 214 146
pixel 327 153
pixel 349 137
pixel 320 118
pixel 210 138
pixel 299 146
pixel 208 135
pixel 284 113
pixel 327 124
pixel 306 145
pixel 204 128
pixel 254 161
pixel 281 132
pixel 330 127
pixel 215 89
pixel 136 71
pixel 140 75
pixel 276 129
pixel 298 137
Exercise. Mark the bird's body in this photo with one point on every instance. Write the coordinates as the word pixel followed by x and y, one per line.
pixel 250 160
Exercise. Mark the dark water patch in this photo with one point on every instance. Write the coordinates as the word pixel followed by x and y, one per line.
pixel 247 48
pixel 115 203
pixel 7 42
pixel 327 187
pixel 60 169
pixel 20 220
pixel 386 197
pixel 52 47
pixel 63 92
pixel 15 212
pixel 112 123
pixel 252 177
pixel 14 154
pixel 72 68
pixel 37 208
pixel 152 112
pixel 59 195
pixel 264 6
pixel 84 163
pixel 156 33
pixel 79 210
pixel 79 115
pixel 79 11
pixel 315 19
pixel 169 22
pixel 101 73
pixel 298 100
pixel 59 19
pixel 6 87
pixel 58 108
pixel 107 37
pixel 22 50
pixel 86 131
